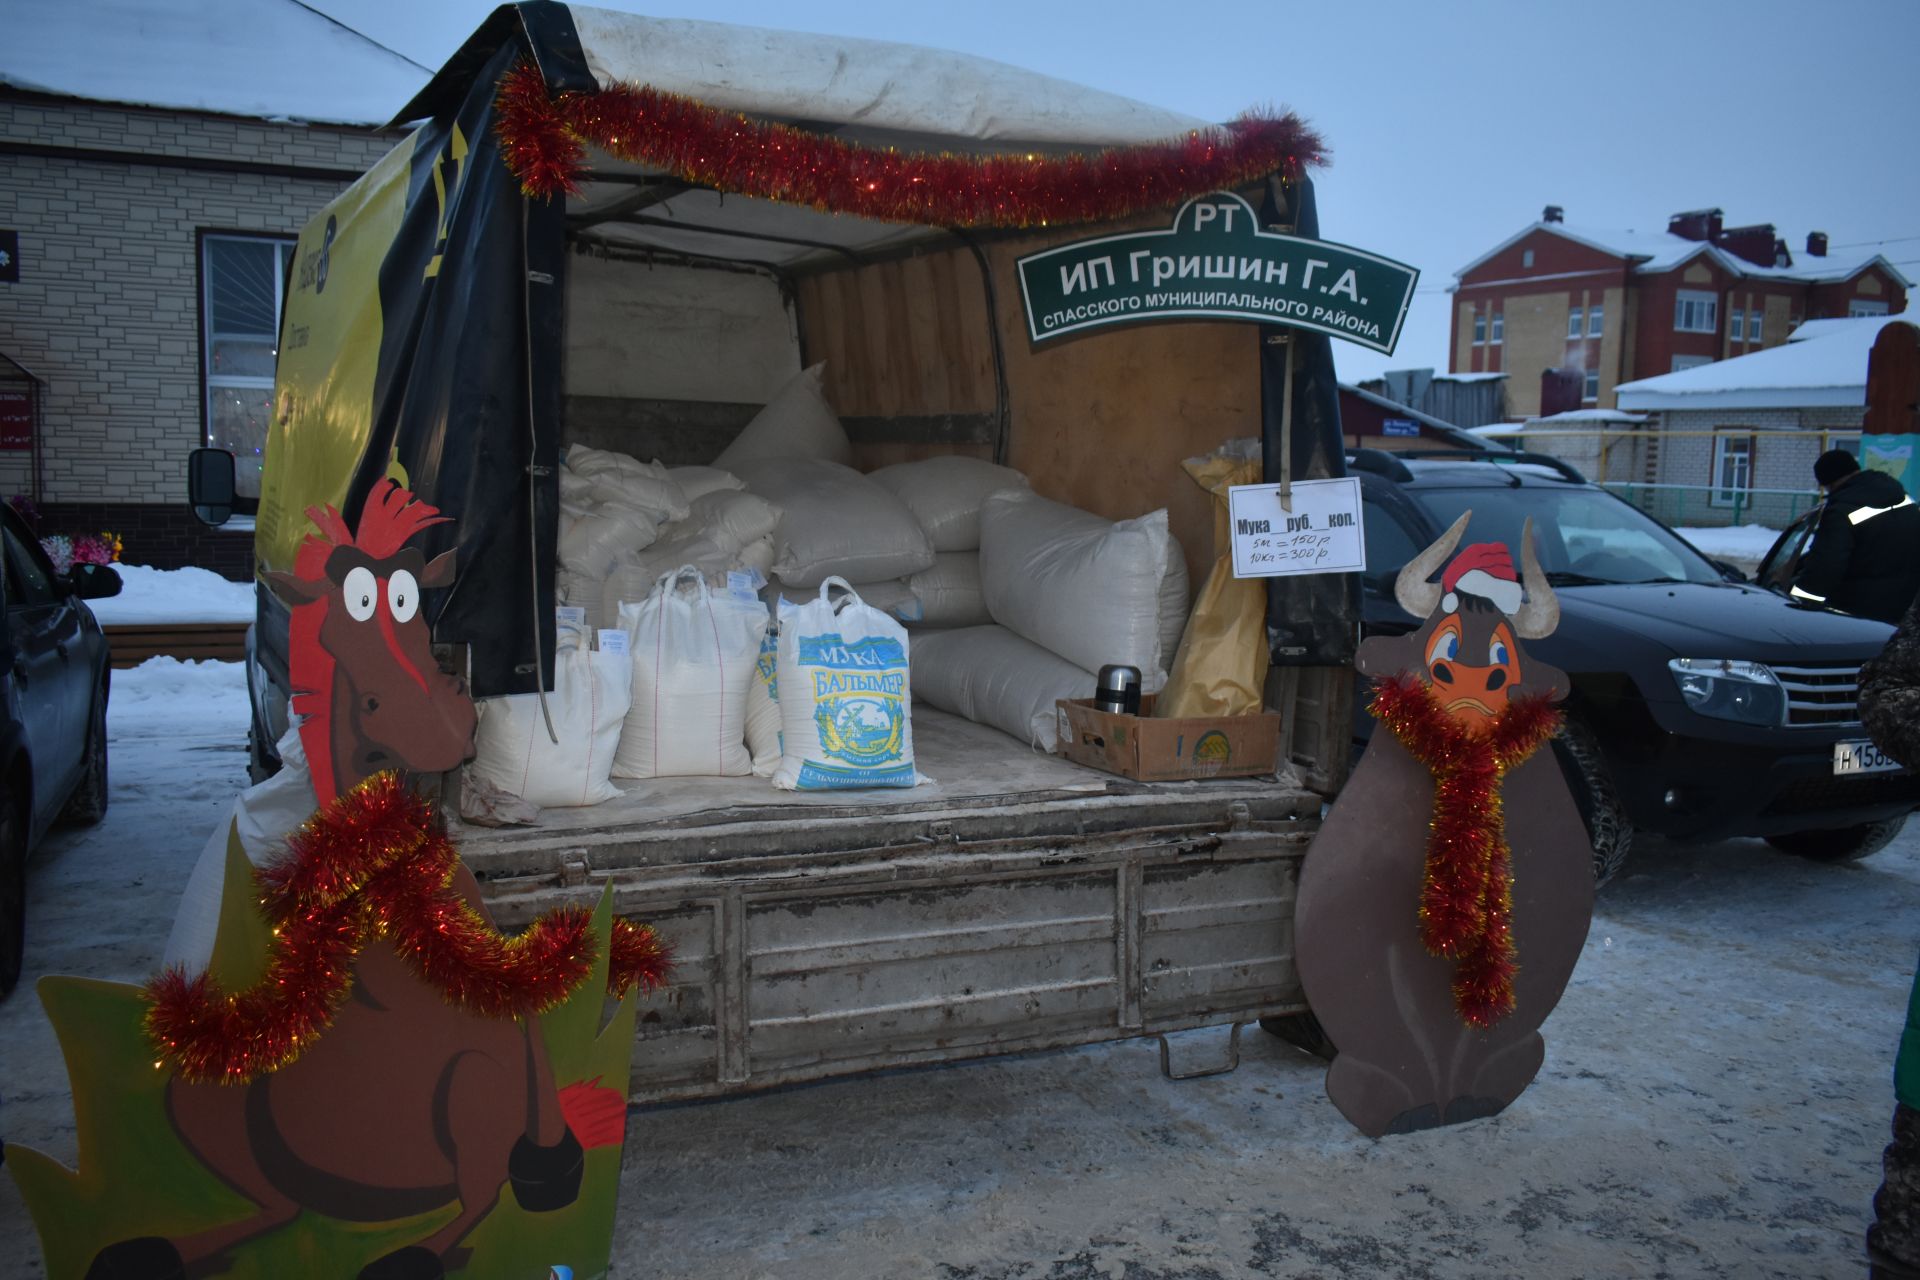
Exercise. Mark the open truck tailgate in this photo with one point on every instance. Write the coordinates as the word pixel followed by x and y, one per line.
pixel 853 932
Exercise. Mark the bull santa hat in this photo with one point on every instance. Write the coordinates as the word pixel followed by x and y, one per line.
pixel 1484 569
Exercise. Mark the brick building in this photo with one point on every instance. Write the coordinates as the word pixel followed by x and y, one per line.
pixel 151 183
pixel 1600 308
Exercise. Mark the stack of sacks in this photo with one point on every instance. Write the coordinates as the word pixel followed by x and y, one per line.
pixel 831 520
pixel 835 522
pixel 725 530
pixel 945 496
pixel 1068 592
pixel 612 507
pixel 797 423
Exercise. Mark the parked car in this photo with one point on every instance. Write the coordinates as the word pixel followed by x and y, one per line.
pixel 1782 562
pixel 53 741
pixel 1702 706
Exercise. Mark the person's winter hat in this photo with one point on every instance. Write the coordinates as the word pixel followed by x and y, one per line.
pixel 1833 465
pixel 1484 569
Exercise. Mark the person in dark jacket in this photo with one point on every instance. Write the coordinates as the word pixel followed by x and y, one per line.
pixel 1890 711
pixel 1865 557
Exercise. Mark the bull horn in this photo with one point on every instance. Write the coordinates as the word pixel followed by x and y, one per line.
pixel 1540 614
pixel 1415 594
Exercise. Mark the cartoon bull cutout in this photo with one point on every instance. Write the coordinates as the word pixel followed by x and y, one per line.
pixel 1432 937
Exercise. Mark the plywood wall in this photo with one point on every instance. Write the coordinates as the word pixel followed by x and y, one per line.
pixel 1101 421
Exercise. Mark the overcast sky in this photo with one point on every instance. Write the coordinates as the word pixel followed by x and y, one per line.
pixel 1453 122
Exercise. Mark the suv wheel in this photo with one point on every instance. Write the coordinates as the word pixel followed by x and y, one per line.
pixel 13 893
pixel 88 803
pixel 1841 844
pixel 1608 831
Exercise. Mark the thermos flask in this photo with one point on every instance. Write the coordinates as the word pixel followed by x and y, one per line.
pixel 1117 689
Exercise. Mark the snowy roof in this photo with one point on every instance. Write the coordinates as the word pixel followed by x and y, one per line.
pixel 1827 369
pixel 1587 418
pixel 1581 417
pixel 1657 251
pixel 275 59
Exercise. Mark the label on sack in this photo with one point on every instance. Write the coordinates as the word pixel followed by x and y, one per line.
pixel 741 585
pixel 613 640
pixel 570 615
pixel 859 692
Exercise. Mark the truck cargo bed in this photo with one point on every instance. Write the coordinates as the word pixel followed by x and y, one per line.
pixel 1017 902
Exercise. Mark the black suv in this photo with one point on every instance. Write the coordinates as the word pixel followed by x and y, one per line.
pixel 1702 707
pixel 53 735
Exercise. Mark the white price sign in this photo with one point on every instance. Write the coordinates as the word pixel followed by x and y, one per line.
pixel 1321 534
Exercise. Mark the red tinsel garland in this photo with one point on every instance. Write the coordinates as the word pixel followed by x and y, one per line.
pixel 1466 901
pixel 371 866
pixel 544 141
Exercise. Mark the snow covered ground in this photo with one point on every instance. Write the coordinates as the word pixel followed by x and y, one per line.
pixel 1714 1101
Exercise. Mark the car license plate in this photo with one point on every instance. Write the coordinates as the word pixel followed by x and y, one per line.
pixel 1860 756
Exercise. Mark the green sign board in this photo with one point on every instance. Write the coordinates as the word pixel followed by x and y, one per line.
pixel 1216 262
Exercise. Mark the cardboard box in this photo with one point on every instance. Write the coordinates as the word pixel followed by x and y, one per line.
pixel 1168 750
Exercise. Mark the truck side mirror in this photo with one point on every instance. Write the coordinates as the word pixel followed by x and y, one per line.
pixel 210 485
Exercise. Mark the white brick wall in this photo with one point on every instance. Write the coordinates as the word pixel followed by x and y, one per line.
pixel 106 312
pixel 1786 441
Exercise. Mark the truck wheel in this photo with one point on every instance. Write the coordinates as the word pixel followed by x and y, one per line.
pixel 1841 844
pixel 1608 831
pixel 88 803
pixel 1303 1031
pixel 13 893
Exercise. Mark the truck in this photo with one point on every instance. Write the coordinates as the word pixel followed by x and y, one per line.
pixel 523 274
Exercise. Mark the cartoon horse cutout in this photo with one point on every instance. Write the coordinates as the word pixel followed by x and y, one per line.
pixel 406 1102
pixel 1408 1056
pixel 364 675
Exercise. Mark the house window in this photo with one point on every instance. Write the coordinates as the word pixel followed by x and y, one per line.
pixel 1499 327
pixel 1732 470
pixel 1479 328
pixel 1526 259
pixel 1695 312
pixel 241 279
pixel 1590 390
pixel 1593 320
pixel 1858 308
pixel 1737 325
pixel 1753 325
pixel 1575 325
pixel 1690 362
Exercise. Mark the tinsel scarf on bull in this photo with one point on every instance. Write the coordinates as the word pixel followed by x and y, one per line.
pixel 1466 903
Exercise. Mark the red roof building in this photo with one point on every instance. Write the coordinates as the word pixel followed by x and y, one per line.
pixel 1571 312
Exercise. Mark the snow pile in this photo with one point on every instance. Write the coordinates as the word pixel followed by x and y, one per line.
pixel 173 595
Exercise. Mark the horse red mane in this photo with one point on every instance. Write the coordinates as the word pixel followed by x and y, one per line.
pixel 392 515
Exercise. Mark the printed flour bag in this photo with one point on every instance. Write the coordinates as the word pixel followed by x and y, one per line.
pixel 693 656
pixel 763 707
pixel 845 706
